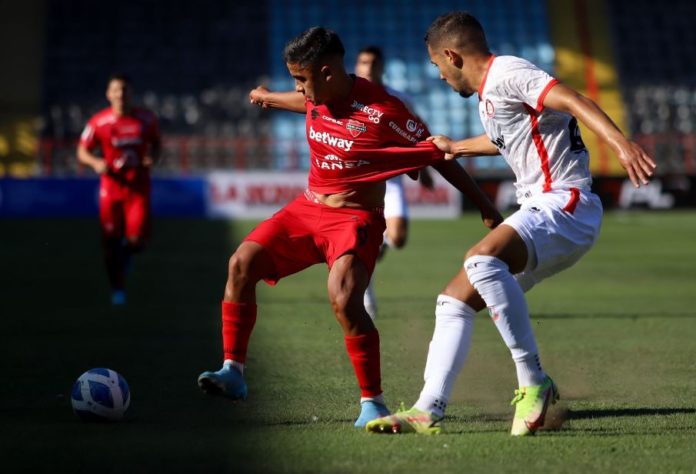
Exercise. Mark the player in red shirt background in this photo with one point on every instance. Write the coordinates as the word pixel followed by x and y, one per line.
pixel 130 144
pixel 359 136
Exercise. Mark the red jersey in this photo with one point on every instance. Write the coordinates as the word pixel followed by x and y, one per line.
pixel 124 141
pixel 370 136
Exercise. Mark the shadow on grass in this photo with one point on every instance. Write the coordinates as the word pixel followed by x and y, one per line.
pixel 661 315
pixel 624 412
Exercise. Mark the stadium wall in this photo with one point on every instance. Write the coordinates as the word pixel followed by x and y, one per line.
pixel 257 195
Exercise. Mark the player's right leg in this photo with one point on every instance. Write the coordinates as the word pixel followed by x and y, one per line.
pixel 449 347
pixel 249 264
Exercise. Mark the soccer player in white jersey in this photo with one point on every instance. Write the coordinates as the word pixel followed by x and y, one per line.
pixel 369 64
pixel 530 119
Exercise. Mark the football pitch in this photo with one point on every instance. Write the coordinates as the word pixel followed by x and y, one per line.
pixel 616 332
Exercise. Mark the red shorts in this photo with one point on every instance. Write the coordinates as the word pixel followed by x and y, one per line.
pixel 124 209
pixel 304 233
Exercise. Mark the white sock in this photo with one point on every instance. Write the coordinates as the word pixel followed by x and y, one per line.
pixel 508 308
pixel 449 347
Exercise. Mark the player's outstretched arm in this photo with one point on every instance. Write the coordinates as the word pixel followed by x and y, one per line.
pixel 475 146
pixel 86 158
pixel 460 179
pixel 289 100
pixel 632 157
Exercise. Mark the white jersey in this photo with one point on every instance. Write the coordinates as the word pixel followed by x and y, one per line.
pixel 543 147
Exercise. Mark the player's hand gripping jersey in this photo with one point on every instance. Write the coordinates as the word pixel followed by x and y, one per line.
pixel 368 137
pixel 124 141
pixel 543 147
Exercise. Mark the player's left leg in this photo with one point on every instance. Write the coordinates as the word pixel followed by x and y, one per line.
pixel 347 281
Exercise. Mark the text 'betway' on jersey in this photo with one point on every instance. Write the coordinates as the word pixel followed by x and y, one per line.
pixel 327 139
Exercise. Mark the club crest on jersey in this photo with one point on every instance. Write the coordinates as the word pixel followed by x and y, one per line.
pixel 490 110
pixel 355 127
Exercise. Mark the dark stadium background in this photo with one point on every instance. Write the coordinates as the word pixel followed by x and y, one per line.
pixel 193 63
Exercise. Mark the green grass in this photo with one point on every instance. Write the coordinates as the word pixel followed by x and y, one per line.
pixel 616 332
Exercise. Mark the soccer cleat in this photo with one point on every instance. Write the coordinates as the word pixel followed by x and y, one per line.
pixel 118 298
pixel 406 421
pixel 531 405
pixel 227 382
pixel 369 410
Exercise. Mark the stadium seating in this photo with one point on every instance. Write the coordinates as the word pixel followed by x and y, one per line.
pixel 194 63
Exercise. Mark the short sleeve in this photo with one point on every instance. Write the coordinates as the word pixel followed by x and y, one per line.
pixel 88 137
pixel 529 84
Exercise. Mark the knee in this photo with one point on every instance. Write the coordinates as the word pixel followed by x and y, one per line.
pixel 398 241
pixel 238 271
pixel 397 233
pixel 339 299
pixel 481 249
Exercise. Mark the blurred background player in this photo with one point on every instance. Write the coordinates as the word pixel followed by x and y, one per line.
pixel 531 120
pixel 129 140
pixel 369 65
pixel 338 220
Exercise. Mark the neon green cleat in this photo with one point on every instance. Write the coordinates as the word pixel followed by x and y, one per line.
pixel 531 405
pixel 406 421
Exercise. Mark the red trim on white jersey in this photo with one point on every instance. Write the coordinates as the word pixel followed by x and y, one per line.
pixel 573 201
pixel 485 76
pixel 542 96
pixel 541 148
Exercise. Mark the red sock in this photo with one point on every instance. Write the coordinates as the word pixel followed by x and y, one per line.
pixel 363 351
pixel 238 320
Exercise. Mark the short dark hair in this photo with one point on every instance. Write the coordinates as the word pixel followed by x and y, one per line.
pixel 376 51
pixel 461 28
pixel 313 45
pixel 119 76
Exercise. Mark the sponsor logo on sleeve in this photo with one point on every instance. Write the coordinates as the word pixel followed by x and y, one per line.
pixel 414 127
pixel 403 133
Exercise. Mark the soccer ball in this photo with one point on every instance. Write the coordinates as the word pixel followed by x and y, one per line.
pixel 100 395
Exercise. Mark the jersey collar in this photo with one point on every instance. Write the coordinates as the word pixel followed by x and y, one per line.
pixel 485 76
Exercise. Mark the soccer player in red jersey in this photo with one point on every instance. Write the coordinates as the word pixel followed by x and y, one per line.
pixel 129 140
pixel 359 136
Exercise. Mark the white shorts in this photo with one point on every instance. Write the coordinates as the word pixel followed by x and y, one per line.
pixel 395 199
pixel 557 231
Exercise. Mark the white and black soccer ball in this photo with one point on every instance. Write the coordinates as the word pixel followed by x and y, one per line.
pixel 100 395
